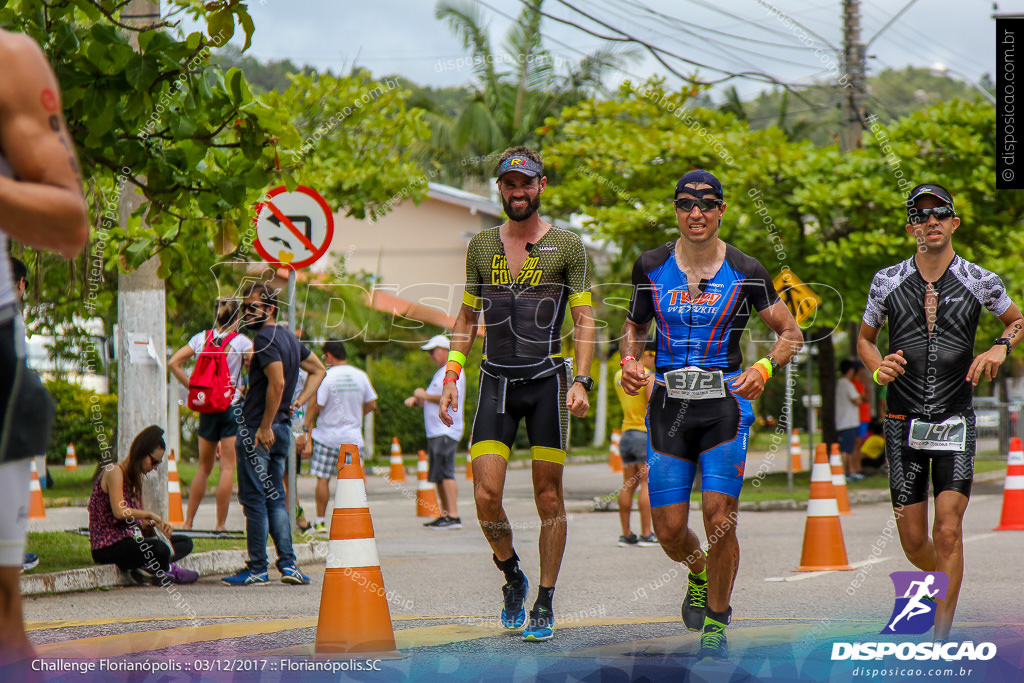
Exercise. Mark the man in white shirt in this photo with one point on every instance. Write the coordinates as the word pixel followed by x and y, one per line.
pixel 848 417
pixel 344 396
pixel 442 441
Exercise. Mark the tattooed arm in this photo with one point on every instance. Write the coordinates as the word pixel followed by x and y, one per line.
pixel 44 206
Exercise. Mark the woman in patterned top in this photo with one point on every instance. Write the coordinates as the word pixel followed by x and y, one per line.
pixel 121 532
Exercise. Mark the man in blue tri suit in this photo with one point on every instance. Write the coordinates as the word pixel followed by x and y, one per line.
pixel 701 292
pixel 933 301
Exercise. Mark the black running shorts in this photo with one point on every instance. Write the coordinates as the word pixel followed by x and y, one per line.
pixel 909 467
pixel 540 402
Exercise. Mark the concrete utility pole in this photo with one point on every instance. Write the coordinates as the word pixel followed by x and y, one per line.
pixel 856 71
pixel 141 320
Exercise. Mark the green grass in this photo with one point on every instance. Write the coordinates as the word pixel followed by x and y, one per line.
pixel 61 550
pixel 78 484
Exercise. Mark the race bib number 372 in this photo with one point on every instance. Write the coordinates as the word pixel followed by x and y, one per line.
pixel 948 435
pixel 694 384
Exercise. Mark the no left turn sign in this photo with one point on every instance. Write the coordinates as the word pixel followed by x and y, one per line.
pixel 293 229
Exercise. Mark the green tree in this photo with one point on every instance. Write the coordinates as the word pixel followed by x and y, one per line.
pixel 201 147
pixel 507 106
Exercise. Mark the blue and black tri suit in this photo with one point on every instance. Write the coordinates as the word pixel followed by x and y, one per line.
pixel 704 333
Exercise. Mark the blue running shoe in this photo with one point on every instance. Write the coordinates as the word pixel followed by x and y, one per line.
pixel 541 627
pixel 247 577
pixel 291 574
pixel 513 614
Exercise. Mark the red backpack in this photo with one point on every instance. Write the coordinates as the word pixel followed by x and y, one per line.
pixel 210 388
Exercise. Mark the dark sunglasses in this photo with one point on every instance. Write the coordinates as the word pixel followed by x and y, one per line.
pixel 687 203
pixel 940 213
pixel 252 307
pixel 156 463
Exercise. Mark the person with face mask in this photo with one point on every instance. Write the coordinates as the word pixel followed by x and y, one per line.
pixel 220 427
pixel 264 434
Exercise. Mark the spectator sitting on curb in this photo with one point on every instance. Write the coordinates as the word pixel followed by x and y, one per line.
pixel 121 532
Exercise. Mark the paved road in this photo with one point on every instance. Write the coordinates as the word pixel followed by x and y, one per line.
pixel 617 607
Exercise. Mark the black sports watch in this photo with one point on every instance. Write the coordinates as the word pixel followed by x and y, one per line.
pixel 1005 342
pixel 775 365
pixel 587 382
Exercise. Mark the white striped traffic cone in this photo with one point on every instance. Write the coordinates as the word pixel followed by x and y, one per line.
pixel 839 481
pixel 174 513
pixel 36 508
pixel 824 548
pixel 614 455
pixel 1013 490
pixel 71 459
pixel 795 455
pixel 397 464
pixel 426 494
pixel 354 615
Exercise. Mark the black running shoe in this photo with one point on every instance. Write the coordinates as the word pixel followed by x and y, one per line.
pixel 695 603
pixel 713 643
pixel 513 613
pixel 541 626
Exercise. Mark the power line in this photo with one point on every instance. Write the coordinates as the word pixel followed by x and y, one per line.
pixel 708 5
pixel 731 48
pixel 889 23
pixel 698 27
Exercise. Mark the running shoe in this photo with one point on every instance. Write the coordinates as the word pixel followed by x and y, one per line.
pixel 319 528
pixel 291 574
pixel 541 626
pixel 628 541
pixel 30 561
pixel 648 541
pixel 695 604
pixel 247 577
pixel 445 522
pixel 513 613
pixel 713 643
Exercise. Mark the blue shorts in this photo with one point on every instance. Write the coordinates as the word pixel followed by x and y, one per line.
pixel 713 432
pixel 862 430
pixel 847 439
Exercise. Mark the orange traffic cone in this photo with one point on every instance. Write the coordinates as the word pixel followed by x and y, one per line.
pixel 1013 490
pixel 824 548
pixel 614 457
pixel 795 455
pixel 174 514
pixel 36 509
pixel 426 495
pixel 839 481
pixel 71 459
pixel 469 465
pixel 354 614
pixel 397 464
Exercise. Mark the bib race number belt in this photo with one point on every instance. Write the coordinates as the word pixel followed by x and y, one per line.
pixel 694 384
pixel 948 435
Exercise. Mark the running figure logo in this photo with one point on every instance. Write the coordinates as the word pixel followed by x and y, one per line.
pixel 916 593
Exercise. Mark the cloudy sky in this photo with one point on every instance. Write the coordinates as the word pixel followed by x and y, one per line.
pixel 403 37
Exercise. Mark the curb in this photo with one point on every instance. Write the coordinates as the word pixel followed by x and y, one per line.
pixel 208 563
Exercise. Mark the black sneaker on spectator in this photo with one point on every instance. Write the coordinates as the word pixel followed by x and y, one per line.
pixel 630 541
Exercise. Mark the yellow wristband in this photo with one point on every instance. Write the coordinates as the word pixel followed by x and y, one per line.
pixel 458 357
pixel 874 375
pixel 767 365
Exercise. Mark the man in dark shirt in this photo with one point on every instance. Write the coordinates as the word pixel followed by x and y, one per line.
pixel 932 302
pixel 263 436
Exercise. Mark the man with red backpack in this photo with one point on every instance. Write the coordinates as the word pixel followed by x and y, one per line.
pixel 215 392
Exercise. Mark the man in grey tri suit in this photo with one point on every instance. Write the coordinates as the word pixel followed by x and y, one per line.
pixel 41 206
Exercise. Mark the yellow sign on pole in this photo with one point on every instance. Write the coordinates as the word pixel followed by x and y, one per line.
pixel 799 298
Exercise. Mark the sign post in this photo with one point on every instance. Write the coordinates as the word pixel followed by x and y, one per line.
pixel 293 230
pixel 802 302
